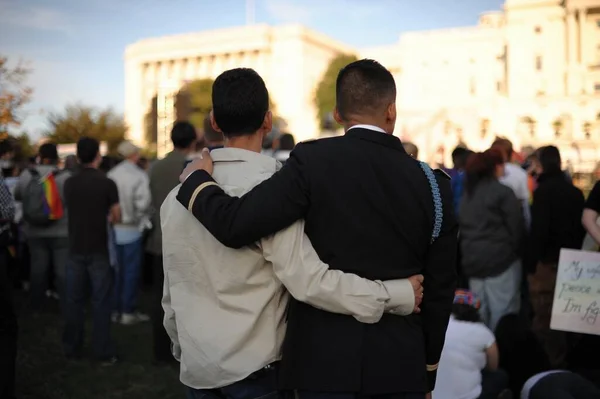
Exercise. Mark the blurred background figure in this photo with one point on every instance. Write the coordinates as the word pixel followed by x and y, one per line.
pixel 71 163
pixel 411 149
pixel 491 233
pixel 469 363
pixel 164 176
pixel 555 224
pixel 284 146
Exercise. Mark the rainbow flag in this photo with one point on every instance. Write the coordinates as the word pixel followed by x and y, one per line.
pixel 53 204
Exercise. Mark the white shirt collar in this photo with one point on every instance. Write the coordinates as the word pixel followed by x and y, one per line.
pixel 368 127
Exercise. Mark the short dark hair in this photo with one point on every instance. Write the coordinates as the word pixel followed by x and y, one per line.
pixel 460 156
pixel 240 101
pixel 363 86
pixel 183 134
pixel 286 142
pixel 48 151
pixel 211 134
pixel 87 150
pixel 550 159
pixel 464 312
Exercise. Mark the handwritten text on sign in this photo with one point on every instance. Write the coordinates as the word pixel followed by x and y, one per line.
pixel 576 304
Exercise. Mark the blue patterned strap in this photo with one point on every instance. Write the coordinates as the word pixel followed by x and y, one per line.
pixel 437 201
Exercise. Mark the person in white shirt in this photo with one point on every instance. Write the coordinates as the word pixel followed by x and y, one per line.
pixel 135 201
pixel 469 363
pixel 514 177
pixel 225 309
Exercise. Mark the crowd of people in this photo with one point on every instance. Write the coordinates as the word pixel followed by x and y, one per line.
pixel 327 276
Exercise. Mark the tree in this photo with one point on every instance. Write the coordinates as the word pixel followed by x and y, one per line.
pixel 194 101
pixel 14 93
pixel 325 94
pixel 82 121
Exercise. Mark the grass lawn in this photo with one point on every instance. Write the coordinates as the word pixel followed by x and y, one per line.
pixel 44 373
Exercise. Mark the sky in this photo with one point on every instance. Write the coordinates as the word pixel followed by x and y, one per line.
pixel 75 47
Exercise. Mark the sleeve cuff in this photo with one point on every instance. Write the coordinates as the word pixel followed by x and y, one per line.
pixel 402 297
pixel 431 377
pixel 192 186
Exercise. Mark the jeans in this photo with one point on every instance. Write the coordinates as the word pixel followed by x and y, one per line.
pixel 500 295
pixel 8 331
pixel 44 251
pixel 129 263
pixel 97 269
pixel 259 385
pixel 348 395
pixel 162 341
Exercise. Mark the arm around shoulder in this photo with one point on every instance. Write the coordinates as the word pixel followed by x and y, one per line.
pixel 267 208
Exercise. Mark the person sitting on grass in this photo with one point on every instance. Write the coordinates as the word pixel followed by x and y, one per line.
pixel 469 363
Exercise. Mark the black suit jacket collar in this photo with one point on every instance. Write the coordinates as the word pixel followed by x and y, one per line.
pixel 373 136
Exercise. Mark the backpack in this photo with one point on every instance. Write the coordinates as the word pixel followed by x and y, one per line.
pixel 42 204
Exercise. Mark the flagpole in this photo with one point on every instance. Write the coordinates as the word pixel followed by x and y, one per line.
pixel 250 12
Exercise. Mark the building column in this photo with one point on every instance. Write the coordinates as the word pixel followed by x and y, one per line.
pixel 572 53
pixel 582 12
pixel 134 109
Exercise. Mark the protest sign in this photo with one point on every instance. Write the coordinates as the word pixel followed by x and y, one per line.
pixel 576 305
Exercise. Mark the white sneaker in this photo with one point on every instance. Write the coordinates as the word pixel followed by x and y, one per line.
pixel 128 319
pixel 115 317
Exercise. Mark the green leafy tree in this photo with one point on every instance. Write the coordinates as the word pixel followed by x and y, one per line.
pixel 78 121
pixel 325 94
pixel 14 93
pixel 194 101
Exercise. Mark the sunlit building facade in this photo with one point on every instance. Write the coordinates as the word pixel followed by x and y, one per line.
pixel 530 72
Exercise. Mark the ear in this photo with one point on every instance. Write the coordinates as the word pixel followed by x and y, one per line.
pixel 337 116
pixel 391 113
pixel 213 123
pixel 267 125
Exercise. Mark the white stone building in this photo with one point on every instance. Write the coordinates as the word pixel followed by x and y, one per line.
pixel 530 72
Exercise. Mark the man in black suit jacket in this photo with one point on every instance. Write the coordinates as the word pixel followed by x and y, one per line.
pixel 365 202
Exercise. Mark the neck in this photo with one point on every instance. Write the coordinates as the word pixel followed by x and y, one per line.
pixel 215 144
pixel 252 142
pixel 353 122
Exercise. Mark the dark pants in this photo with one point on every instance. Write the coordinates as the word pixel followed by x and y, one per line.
pixel 564 386
pixel 46 252
pixel 162 342
pixel 8 331
pixel 541 290
pixel 97 269
pixel 333 395
pixel 493 383
pixel 127 281
pixel 262 384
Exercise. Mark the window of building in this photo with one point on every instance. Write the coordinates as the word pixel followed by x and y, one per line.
pixel 472 86
pixel 597 89
pixel 538 63
pixel 538 30
pixel 499 86
pixel 598 23
pixel 598 55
